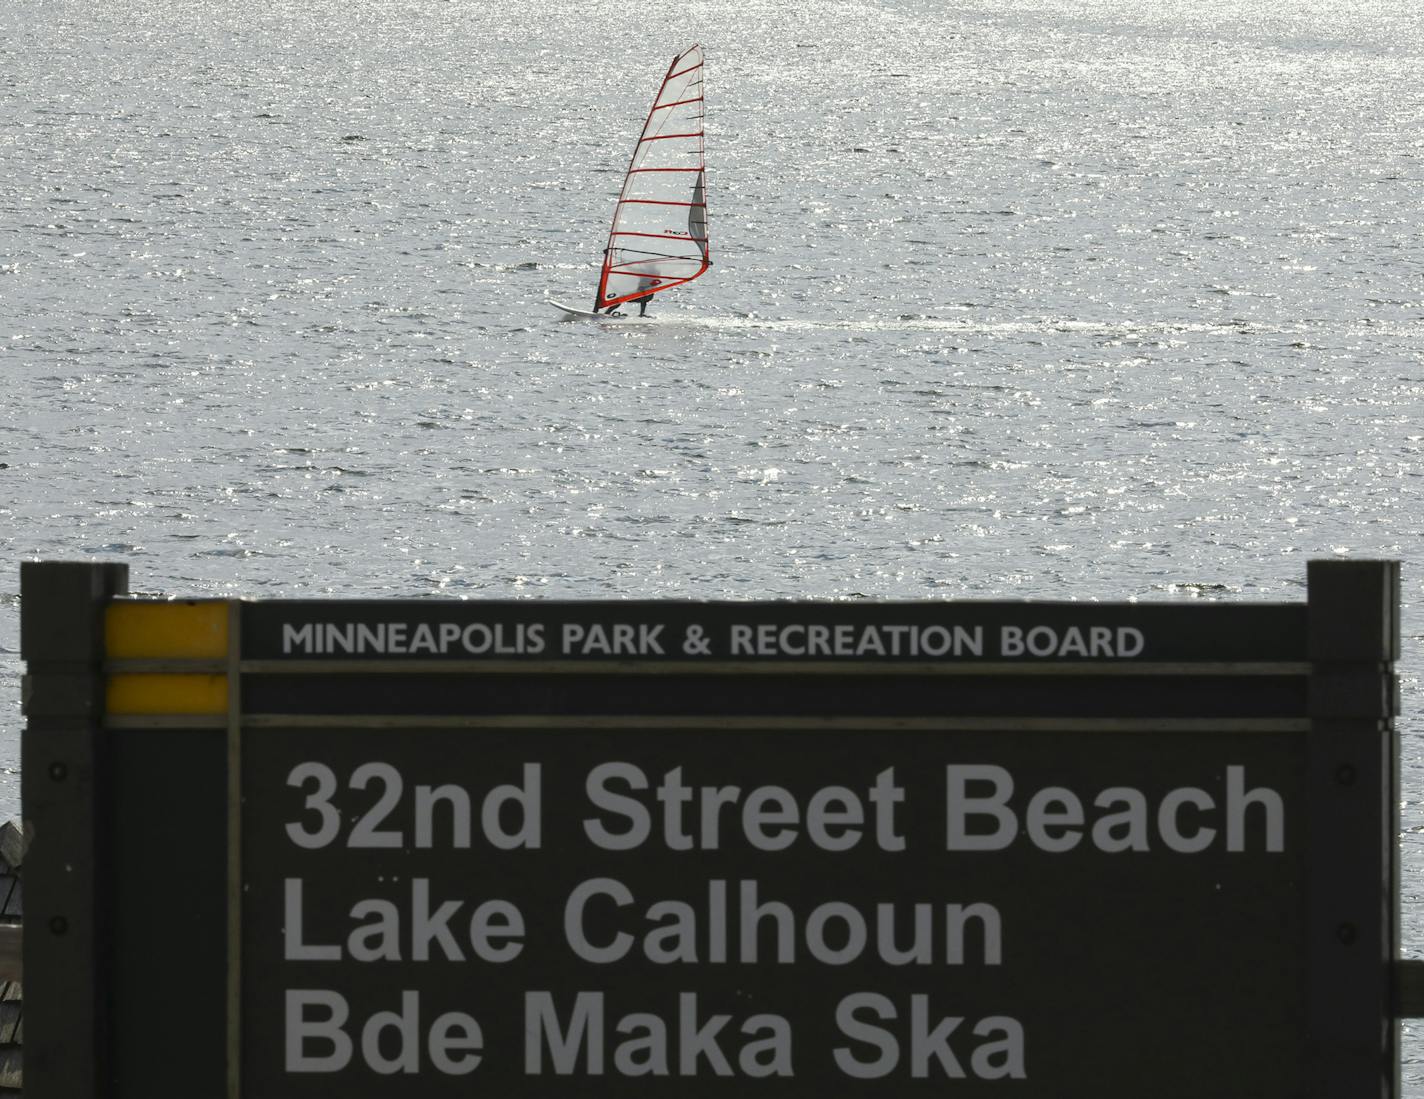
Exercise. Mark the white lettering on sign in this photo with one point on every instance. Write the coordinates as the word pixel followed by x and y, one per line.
pixel 695 1044
pixel 611 639
pixel 385 931
pixel 1116 643
pixel 594 900
pixel 317 1039
pixel 1187 819
pixel 510 815
pixel 723 930
pixel 843 639
pixel 863 1018
pixel 770 818
pixel 406 639
pixel 801 640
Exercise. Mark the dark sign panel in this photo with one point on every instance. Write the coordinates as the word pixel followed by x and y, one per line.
pixel 670 849
pixel 662 911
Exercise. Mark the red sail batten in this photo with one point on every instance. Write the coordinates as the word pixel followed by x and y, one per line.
pixel 662 236
pixel 679 103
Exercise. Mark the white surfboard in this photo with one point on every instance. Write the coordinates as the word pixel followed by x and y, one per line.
pixel 570 313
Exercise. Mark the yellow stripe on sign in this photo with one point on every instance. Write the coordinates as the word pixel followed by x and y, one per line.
pixel 193 629
pixel 166 694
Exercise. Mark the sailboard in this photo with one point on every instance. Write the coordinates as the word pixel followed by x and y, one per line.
pixel 573 313
pixel 658 239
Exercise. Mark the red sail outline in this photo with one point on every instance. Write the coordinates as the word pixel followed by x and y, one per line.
pixel 652 207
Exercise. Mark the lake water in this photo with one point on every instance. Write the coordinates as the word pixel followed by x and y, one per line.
pixel 1065 299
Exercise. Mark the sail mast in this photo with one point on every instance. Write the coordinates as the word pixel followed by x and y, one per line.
pixel 658 238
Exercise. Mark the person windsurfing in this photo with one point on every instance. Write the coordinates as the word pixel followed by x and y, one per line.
pixel 644 283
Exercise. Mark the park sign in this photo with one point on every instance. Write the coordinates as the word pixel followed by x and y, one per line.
pixel 545 848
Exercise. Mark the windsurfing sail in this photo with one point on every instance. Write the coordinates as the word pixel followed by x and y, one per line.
pixel 659 234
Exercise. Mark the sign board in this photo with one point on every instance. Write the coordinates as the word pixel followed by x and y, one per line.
pixel 557 848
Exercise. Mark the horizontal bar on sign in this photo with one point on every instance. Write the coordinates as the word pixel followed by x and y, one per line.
pixel 165 665
pixel 189 628
pixel 119 722
pixel 1245 726
pixel 785 667
pixel 166 694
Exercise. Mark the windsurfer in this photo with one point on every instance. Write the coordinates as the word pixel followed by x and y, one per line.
pixel 658 239
pixel 644 283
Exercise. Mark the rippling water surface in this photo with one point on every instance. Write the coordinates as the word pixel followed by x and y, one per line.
pixel 1053 299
